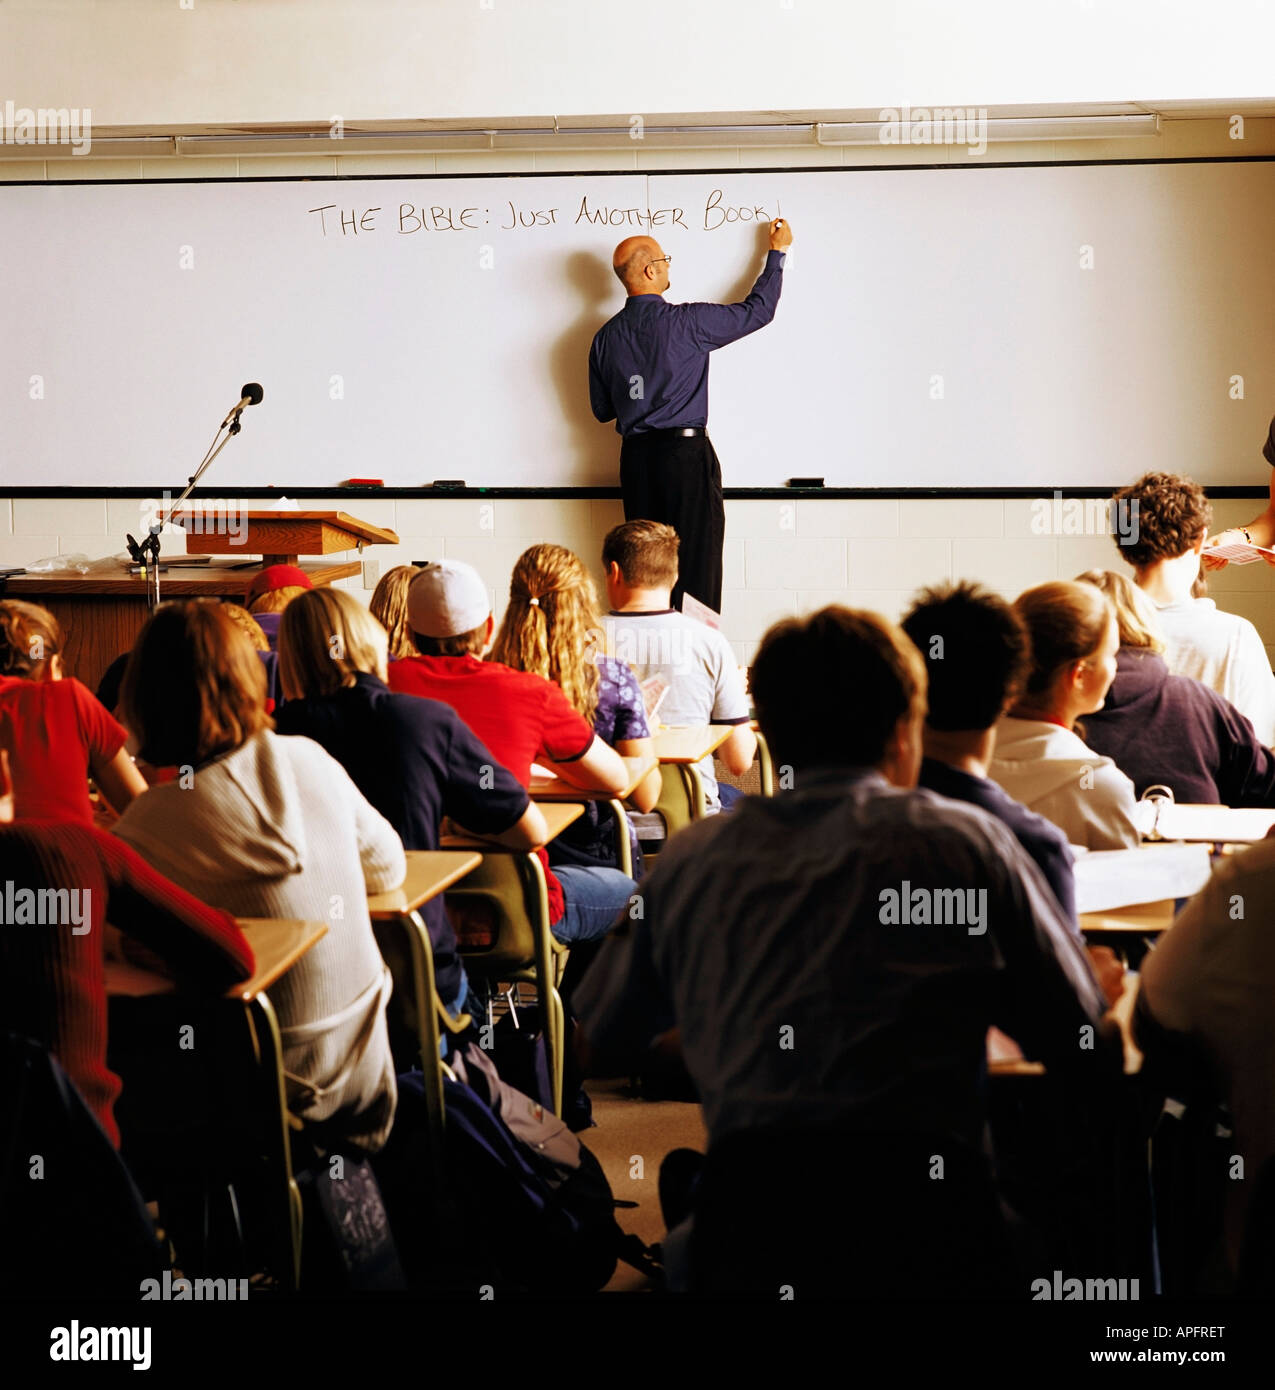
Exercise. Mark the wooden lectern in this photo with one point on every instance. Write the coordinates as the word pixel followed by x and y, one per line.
pixel 101 614
pixel 279 537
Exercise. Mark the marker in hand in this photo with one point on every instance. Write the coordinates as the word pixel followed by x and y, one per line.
pixel 780 235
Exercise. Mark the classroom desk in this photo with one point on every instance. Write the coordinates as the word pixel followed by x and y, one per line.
pixel 1122 1011
pixel 429 873
pixel 691 745
pixel 556 789
pixel 277 944
pixel 558 815
pixel 1144 919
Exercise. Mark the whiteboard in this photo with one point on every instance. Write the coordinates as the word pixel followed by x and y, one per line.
pixel 950 327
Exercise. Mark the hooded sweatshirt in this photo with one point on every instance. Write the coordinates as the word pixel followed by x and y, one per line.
pixel 1053 772
pixel 277 829
pixel 1177 732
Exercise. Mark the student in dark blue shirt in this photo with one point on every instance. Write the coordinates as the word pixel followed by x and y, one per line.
pixel 648 371
pixel 415 760
pixel 977 654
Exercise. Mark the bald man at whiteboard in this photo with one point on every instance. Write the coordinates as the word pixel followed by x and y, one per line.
pixel 648 371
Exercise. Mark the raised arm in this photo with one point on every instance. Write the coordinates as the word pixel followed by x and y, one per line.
pixel 715 325
pixel 599 769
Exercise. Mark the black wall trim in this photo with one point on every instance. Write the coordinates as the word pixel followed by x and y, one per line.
pixel 488 494
pixel 647 173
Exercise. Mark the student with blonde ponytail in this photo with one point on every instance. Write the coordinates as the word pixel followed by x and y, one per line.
pixel 552 627
pixel 389 608
pixel 1040 757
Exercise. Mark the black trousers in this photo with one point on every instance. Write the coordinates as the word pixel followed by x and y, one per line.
pixel 677 479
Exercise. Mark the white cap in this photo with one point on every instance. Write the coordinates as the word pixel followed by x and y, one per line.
pixel 447 598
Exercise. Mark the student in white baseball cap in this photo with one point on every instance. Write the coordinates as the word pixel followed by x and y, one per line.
pixel 521 717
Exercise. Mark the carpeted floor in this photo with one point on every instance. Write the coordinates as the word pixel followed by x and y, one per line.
pixel 630 1140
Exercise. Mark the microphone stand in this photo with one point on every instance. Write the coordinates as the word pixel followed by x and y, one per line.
pixel 146 553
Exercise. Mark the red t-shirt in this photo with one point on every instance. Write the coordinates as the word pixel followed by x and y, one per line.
pixel 54 731
pixel 519 716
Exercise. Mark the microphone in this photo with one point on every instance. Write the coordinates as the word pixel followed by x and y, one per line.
pixel 249 394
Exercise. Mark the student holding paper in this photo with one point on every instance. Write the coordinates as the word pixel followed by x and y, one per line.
pixel 1221 649
pixel 640 560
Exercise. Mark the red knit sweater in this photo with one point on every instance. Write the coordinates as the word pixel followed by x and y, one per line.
pixel 52 972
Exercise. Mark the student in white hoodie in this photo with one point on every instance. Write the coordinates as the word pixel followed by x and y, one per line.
pixel 266 826
pixel 1040 758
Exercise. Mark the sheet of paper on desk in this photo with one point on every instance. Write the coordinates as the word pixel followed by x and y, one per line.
pixel 1239 552
pixel 1107 879
pixel 538 771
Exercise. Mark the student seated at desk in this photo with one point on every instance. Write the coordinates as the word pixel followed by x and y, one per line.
pixel 816 1018
pixel 388 606
pixel 552 627
pixel 521 717
pixel 266 826
pixel 977 655
pixel 1169 730
pixel 1040 758
pixel 108 688
pixel 1204 1008
pixel 270 593
pixel 696 661
pixel 1221 649
pixel 57 733
pixel 52 984
pixel 415 760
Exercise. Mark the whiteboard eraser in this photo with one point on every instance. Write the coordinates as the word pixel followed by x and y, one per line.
pixel 804 482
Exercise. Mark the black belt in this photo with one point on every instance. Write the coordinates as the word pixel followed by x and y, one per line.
pixel 690 432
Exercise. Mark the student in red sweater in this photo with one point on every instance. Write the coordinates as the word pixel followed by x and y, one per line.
pixel 60 883
pixel 56 732
pixel 522 718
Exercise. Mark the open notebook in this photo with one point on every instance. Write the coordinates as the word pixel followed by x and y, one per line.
pixel 1179 820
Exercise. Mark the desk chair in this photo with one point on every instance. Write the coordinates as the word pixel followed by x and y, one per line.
pixel 623 849
pixel 765 764
pixel 208 1130
pixel 681 801
pixel 82 1227
pixel 418 1020
pixel 524 949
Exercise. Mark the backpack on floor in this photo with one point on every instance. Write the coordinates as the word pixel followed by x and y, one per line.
pixel 522 1056
pixel 536 1218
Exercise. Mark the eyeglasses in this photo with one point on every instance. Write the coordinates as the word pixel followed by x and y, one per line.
pixel 655 260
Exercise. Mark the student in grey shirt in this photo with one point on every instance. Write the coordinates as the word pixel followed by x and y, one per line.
pixel 695 662
pixel 831 959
